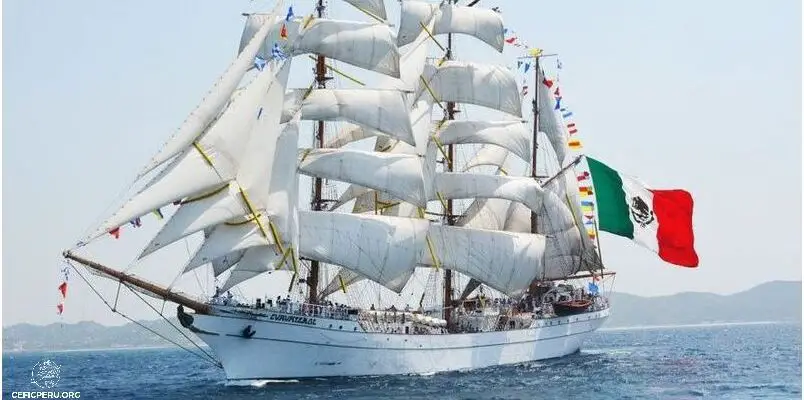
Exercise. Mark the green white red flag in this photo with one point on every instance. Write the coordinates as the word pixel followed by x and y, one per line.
pixel 660 220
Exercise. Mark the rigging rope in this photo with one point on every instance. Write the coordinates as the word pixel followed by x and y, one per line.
pixel 206 357
pixel 171 324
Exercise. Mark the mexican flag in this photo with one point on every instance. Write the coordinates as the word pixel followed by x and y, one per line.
pixel 660 220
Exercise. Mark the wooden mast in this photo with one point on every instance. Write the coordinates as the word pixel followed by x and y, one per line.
pixel 318 142
pixel 448 212
pixel 535 145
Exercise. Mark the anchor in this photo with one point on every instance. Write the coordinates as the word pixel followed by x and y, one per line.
pixel 248 332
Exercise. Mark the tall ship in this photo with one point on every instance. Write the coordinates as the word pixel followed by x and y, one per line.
pixel 449 227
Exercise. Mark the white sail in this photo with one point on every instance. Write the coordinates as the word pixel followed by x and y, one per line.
pixel 228 204
pixel 227 238
pixel 344 277
pixel 266 168
pixel 350 194
pixel 383 110
pixel 213 163
pixel 216 99
pixel 223 263
pixel 518 219
pixel 483 24
pixel 512 135
pixel 398 174
pixel 384 249
pixel 487 155
pixel 350 133
pixel 196 215
pixel 505 261
pixel 411 66
pixel 484 85
pixel 365 45
pixel 489 213
pixel 255 20
pixel 420 118
pixel 567 248
pixel 461 185
pixel 412 63
pixel 255 261
pixel 549 122
pixel 373 7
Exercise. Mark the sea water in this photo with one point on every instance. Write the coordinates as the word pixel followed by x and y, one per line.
pixel 719 361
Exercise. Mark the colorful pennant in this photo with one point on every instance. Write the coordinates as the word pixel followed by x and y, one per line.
pixel 65 273
pixel 259 63
pixel 276 52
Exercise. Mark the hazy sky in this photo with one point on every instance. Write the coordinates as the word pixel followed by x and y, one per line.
pixel 701 95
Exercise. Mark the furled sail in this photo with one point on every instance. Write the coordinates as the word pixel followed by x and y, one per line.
pixel 383 110
pixel 384 249
pixel 483 24
pixel 211 162
pixel 373 7
pixel 484 85
pixel 398 174
pixel 512 135
pixel 216 99
pixel 366 45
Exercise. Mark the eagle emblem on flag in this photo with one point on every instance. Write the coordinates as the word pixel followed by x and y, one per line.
pixel 641 212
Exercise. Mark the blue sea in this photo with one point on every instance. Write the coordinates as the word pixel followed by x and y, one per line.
pixel 726 361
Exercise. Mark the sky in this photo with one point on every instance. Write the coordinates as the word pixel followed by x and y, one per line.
pixel 704 96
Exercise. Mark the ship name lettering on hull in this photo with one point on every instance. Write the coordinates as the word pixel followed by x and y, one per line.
pixel 292 319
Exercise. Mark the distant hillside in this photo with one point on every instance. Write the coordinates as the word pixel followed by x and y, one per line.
pixel 89 335
pixel 773 301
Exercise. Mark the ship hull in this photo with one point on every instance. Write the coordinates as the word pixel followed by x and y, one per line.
pixel 306 348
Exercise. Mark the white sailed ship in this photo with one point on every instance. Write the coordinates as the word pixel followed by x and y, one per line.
pixel 490 251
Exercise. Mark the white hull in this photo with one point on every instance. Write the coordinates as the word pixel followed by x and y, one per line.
pixel 303 348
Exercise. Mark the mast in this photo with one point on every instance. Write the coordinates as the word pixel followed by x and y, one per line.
pixel 318 142
pixel 448 211
pixel 535 146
